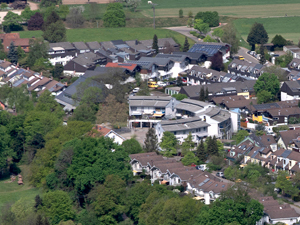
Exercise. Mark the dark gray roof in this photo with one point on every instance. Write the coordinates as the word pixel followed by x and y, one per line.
pixel 183 124
pixel 191 55
pixel 80 45
pixel 107 45
pixel 175 58
pixel 161 42
pixel 209 48
pixel 135 44
pixel 93 45
pixel 87 59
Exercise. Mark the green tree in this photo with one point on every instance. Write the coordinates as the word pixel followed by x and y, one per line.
pixel 230 37
pixel 94 11
pixel 23 207
pixel 269 85
pixel 217 62
pixel 47 3
pixel 180 13
pixel 12 53
pixel 190 14
pixel 201 152
pixel 232 173
pixel 284 60
pixel 262 59
pixel 286 184
pixel 179 96
pixel 27 13
pixel 218 32
pixel 38 49
pixel 206 94
pixel 53 17
pixel 240 135
pixel 132 146
pixel 55 32
pixel 75 18
pixel 58 70
pixel 21 53
pixel 151 142
pixel 186 45
pixel 201 26
pixel 202 94
pixel 189 159
pixel 114 15
pixel 169 144
pixel 280 73
pixel 12 22
pixel 278 41
pixel 208 38
pixel 155 44
pixel 211 18
pixel 212 146
pixel 188 144
pixel 257 35
pixel 84 112
pixel 58 206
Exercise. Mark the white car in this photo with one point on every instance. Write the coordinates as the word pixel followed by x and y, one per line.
pixel 161 84
pixel 135 90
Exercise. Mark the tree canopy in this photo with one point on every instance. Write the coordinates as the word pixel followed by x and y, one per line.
pixel 211 18
pixel 257 35
pixel 267 87
pixel 114 15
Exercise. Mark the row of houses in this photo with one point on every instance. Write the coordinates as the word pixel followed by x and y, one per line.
pixel 16 77
pixel 171 172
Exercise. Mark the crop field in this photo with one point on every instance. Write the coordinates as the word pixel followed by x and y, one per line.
pixel 107 34
pixel 285 26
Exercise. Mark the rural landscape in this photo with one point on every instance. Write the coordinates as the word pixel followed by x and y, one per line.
pixel 149 112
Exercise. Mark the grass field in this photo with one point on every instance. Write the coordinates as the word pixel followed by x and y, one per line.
pixel 12 192
pixel 248 11
pixel 285 26
pixel 108 34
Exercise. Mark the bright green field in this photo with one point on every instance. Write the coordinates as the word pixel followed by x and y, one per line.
pixel 12 192
pixel 108 34
pixel 285 26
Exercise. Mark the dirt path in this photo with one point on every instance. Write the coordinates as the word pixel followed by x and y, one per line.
pixel 33 6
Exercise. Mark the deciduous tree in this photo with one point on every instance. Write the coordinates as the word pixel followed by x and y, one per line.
pixel 55 32
pixel 230 36
pixel 169 144
pixel 211 18
pixel 257 35
pixel 36 22
pixel 75 18
pixel 114 15
pixel 188 144
pixel 151 142
pixel 217 62
pixel 278 41
pixel 132 146
pixel 201 26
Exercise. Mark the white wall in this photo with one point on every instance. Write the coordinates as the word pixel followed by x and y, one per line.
pixel 117 139
pixel 234 121
pixel 61 60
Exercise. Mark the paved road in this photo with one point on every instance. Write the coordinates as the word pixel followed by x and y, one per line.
pixel 249 58
pixel 185 31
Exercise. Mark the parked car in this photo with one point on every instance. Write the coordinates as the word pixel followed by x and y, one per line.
pixel 152 84
pixel 136 90
pixel 184 80
pixel 220 174
pixel 201 167
pixel 172 82
pixel 161 84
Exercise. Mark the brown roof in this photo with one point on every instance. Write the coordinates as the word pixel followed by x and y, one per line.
pixel 294 156
pixel 42 82
pixel 284 111
pixel 288 135
pixel 219 100
pixel 5 64
pixel 267 140
pixel 146 154
pixel 186 173
pixel 23 42
pixel 279 152
pixel 48 86
pixel 296 168
pixel 167 165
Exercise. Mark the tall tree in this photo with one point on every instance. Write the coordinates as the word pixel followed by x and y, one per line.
pixel 206 94
pixel 55 32
pixel 12 22
pixel 169 144
pixel 53 17
pixel 217 62
pixel 58 70
pixel 75 18
pixel 230 36
pixel 12 53
pixel 38 49
pixel 202 94
pixel 155 44
pixel 262 59
pixel 180 13
pixel 151 142
pixel 201 152
pixel 267 82
pixel 257 35
pixel 201 26
pixel 36 22
pixel 211 18
pixel 132 146
pixel 188 144
pixel 186 45
pixel 278 41
pixel 114 15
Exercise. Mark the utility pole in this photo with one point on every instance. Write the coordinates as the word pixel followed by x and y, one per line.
pixel 153 7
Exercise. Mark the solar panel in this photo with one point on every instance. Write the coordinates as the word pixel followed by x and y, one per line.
pixel 216 185
pixel 201 184
pixel 206 180
pixel 223 185
pixel 286 153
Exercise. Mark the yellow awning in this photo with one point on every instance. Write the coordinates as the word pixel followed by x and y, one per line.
pixel 243 165
pixel 158 114
pixel 134 171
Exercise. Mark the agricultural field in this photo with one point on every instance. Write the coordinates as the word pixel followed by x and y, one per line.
pixel 233 8
pixel 107 34
pixel 284 26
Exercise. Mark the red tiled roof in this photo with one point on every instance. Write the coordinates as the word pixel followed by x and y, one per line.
pixel 10 36
pixel 23 42
pixel 128 66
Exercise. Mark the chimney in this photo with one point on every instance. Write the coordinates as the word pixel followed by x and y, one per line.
pixel 51 78
pixel 4 60
pixel 17 64
pixel 42 73
pixel 27 68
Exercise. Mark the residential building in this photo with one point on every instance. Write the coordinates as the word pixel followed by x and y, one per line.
pixel 83 62
pixel 130 68
pixel 290 90
pixel 94 46
pixel 295 64
pixel 293 49
pixel 81 47
pixel 211 48
pixel 244 88
pixel 169 171
pixel 181 128
pixel 106 132
pixel 246 69
pixel 61 52
pixel 137 46
pixel 200 76
pixel 277 213
pixel 288 139
pixel 22 42
pixel 194 58
pixel 165 45
pixel 172 90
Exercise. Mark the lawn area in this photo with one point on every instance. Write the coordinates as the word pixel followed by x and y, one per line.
pixel 284 26
pixel 248 11
pixel 12 192
pixel 108 34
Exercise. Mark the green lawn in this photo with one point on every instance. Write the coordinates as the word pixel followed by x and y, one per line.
pixel 285 26
pixel 107 34
pixel 12 192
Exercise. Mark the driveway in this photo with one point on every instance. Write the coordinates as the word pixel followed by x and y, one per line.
pixel 185 31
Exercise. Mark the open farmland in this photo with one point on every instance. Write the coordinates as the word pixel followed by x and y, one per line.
pixel 107 34
pixel 285 26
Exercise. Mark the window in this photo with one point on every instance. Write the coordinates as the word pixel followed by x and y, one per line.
pixel 183 132
pixel 175 132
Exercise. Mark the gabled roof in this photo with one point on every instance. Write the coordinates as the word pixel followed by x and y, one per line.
pixel 160 42
pixel 209 48
pixel 94 45
pixel 288 135
pixel 64 45
pixel 80 45
pixel 128 66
